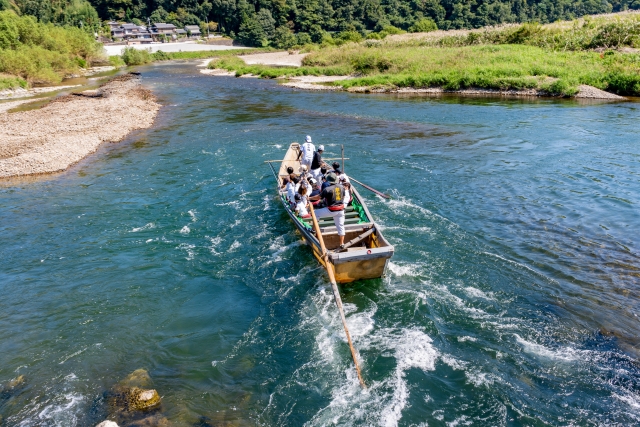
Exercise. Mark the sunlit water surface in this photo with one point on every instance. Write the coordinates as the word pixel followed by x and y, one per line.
pixel 513 297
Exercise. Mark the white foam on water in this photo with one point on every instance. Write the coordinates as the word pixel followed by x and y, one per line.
pixel 404 270
pixel 235 245
pixel 278 249
pixel 383 402
pixel 465 338
pixel 235 223
pixel 631 399
pixel 266 203
pixel 278 146
pixel 148 226
pixel 566 354
pixel 185 230
pixel 72 355
pixel 189 249
pixel 215 241
pixel 192 214
pixel 477 293
pixel 62 410
pixel 452 362
pixel 463 420
pixel 478 379
pixel 234 203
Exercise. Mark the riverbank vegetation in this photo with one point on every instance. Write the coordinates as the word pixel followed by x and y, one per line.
pixel 556 58
pixel 132 56
pixel 43 53
pixel 285 23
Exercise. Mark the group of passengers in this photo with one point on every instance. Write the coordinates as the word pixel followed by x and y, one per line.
pixel 326 187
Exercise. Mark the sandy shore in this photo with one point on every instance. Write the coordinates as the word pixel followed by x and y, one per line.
pixel 278 59
pixel 69 128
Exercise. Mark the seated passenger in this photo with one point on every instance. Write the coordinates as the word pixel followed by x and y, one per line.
pixel 291 191
pixel 301 207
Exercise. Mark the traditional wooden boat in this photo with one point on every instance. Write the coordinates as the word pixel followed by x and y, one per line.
pixel 366 252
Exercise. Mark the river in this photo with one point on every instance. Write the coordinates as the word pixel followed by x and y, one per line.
pixel 512 298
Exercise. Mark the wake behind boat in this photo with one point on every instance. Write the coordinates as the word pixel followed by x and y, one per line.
pixel 366 252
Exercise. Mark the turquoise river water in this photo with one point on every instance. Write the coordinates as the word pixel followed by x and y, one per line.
pixel 512 298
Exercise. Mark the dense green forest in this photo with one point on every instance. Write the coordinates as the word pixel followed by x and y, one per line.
pixel 283 23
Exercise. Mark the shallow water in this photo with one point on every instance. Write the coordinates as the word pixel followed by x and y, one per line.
pixel 512 298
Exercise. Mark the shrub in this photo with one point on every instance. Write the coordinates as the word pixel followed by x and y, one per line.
pixel 160 56
pixel 133 56
pixel 349 36
pixel 423 25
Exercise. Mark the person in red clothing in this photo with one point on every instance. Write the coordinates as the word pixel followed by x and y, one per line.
pixel 333 197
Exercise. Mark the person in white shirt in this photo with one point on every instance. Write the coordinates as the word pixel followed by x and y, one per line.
pixel 306 152
pixel 344 180
pixel 301 207
pixel 291 191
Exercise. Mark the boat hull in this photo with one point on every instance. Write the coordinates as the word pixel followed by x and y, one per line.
pixel 369 260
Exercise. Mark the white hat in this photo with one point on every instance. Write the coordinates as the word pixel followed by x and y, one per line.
pixel 303 167
pixel 308 138
pixel 320 147
pixel 344 178
pixel 312 181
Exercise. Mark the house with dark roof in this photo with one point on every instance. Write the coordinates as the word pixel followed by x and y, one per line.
pixel 193 30
pixel 162 28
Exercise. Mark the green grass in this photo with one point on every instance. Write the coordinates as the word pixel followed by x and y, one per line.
pixel 11 82
pixel 487 66
pixel 241 68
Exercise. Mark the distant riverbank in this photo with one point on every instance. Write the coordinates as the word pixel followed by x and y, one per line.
pixel 69 128
pixel 594 57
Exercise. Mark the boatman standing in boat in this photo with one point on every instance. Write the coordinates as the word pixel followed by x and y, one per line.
pixel 317 162
pixel 306 152
pixel 333 197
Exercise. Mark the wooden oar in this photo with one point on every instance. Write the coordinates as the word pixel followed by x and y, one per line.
pixel 336 294
pixel 386 196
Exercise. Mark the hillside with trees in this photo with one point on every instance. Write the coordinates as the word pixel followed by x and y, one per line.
pixel 284 23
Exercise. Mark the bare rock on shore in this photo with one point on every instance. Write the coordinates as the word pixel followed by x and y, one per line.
pixel 107 423
pixel 590 92
pixel 71 127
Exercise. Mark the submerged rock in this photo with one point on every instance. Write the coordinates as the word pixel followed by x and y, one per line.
pixel 132 399
pixel 16 382
pixel 138 378
pixel 12 388
pixel 132 402
pixel 152 421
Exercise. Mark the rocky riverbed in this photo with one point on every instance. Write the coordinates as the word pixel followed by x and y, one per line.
pixel 69 128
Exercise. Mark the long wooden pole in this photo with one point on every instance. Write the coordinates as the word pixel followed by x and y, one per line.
pixel 336 293
pixel 386 196
pixel 342 151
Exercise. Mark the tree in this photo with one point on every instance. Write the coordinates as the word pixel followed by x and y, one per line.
pixel 267 23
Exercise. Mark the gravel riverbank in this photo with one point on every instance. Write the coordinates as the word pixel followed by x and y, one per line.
pixel 69 128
